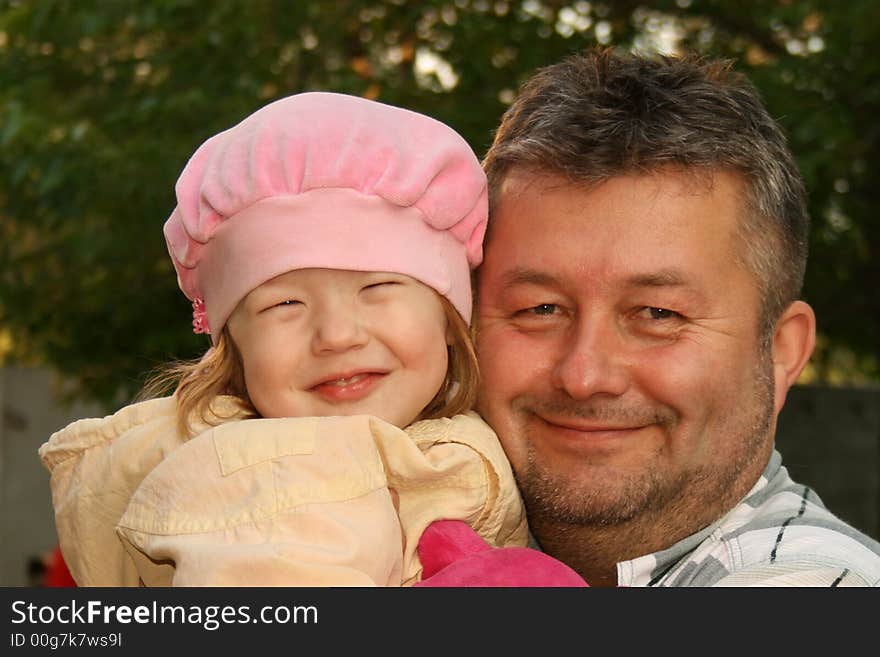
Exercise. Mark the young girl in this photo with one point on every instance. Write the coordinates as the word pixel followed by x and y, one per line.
pixel 326 243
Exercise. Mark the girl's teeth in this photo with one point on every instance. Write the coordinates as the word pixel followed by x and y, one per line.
pixel 344 382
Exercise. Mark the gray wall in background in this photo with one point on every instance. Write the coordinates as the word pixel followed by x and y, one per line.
pixel 30 414
pixel 829 439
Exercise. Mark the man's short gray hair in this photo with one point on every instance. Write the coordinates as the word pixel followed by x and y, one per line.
pixel 602 114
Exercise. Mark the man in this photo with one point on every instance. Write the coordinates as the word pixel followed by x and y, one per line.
pixel 639 326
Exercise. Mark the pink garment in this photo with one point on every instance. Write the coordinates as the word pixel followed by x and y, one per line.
pixel 453 554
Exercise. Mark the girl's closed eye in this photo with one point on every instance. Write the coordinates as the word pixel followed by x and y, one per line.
pixel 386 287
pixel 379 284
pixel 281 304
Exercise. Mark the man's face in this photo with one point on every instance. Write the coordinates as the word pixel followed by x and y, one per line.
pixel 620 355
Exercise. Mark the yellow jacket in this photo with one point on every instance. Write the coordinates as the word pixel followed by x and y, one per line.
pixel 263 502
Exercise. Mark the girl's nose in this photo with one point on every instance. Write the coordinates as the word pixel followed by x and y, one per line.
pixel 338 329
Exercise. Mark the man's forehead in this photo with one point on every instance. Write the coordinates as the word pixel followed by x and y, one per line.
pixel 630 232
pixel 660 196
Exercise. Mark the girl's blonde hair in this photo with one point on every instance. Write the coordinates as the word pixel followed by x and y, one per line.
pixel 221 372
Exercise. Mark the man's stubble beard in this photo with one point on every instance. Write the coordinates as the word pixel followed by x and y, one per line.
pixel 690 493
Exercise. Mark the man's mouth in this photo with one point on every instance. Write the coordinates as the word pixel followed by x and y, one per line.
pixel 590 427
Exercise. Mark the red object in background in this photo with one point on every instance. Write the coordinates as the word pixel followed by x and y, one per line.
pixel 56 571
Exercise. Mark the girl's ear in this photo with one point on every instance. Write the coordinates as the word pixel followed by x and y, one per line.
pixel 793 341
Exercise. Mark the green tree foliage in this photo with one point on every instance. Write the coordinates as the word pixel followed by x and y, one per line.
pixel 102 102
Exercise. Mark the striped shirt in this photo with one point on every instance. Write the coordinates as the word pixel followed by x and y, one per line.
pixel 779 535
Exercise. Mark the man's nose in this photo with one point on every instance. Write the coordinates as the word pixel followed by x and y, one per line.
pixel 338 327
pixel 592 361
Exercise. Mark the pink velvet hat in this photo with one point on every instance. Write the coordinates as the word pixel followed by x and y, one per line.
pixel 326 180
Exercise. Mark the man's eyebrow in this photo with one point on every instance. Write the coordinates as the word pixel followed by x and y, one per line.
pixel 663 278
pixel 525 276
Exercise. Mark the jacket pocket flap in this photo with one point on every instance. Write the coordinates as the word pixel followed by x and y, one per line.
pixel 243 444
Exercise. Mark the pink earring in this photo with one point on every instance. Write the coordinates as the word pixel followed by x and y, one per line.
pixel 200 318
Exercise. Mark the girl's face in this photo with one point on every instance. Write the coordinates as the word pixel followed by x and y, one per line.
pixel 319 342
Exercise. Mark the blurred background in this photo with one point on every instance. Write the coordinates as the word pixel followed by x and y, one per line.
pixel 102 102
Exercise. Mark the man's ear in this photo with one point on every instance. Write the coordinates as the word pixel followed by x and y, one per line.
pixel 793 341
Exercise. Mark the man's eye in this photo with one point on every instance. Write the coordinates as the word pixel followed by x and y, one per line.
pixel 542 309
pixel 661 313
